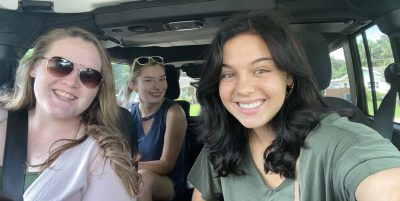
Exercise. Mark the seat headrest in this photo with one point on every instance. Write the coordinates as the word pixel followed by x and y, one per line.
pixel 317 51
pixel 173 89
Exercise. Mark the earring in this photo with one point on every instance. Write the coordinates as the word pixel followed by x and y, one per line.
pixel 289 89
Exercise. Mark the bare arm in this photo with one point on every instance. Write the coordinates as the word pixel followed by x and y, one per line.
pixel 175 130
pixel 383 185
pixel 196 196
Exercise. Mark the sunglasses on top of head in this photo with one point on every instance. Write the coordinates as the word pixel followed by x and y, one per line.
pixel 61 67
pixel 148 60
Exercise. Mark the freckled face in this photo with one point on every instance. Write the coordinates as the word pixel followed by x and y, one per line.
pixel 65 97
pixel 251 87
pixel 151 84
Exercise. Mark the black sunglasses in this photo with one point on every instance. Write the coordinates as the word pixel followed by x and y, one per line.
pixel 147 60
pixel 60 67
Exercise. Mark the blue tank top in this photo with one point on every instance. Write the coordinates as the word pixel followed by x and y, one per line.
pixel 151 145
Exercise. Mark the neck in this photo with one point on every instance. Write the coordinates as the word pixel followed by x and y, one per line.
pixel 147 109
pixel 262 136
pixel 54 128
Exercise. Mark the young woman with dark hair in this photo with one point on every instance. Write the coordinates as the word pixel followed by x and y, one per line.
pixel 267 133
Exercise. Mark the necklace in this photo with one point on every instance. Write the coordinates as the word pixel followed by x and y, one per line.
pixel 148 117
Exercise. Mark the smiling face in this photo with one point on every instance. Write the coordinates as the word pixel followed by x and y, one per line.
pixel 150 84
pixel 65 97
pixel 251 87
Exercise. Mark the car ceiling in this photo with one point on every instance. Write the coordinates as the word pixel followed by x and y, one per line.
pixel 131 28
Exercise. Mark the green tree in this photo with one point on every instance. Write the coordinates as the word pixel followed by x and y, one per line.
pixel 338 68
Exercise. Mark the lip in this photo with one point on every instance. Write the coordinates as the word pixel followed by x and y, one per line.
pixel 156 94
pixel 64 94
pixel 249 107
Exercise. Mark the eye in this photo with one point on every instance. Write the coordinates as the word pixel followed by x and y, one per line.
pixel 163 79
pixel 226 75
pixel 262 70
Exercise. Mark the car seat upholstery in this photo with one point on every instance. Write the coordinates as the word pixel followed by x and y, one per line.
pixel 128 128
pixel 317 51
pixel 173 92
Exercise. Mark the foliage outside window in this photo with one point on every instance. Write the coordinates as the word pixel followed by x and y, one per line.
pixel 381 56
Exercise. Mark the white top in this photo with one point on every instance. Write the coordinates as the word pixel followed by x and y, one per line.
pixel 80 173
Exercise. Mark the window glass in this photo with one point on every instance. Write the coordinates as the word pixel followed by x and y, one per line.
pixel 121 74
pixel 381 56
pixel 339 86
pixel 188 93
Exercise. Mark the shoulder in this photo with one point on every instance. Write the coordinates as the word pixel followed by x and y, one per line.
pixel 176 112
pixel 337 137
pixel 335 128
pixel 200 166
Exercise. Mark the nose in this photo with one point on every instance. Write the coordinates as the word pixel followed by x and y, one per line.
pixel 159 85
pixel 245 85
pixel 72 79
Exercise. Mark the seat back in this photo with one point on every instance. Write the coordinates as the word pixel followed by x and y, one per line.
pixel 317 51
pixel 173 92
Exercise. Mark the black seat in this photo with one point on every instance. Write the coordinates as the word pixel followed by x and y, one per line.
pixel 317 51
pixel 173 92
pixel 128 128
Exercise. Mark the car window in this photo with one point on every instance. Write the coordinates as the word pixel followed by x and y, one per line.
pixel 339 86
pixel 373 64
pixel 188 93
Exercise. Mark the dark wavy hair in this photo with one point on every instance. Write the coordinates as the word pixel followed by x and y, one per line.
pixel 224 138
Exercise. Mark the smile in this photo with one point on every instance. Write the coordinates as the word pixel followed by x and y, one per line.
pixel 156 94
pixel 64 94
pixel 250 105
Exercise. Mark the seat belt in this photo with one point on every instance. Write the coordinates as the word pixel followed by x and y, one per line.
pixel 383 121
pixel 15 155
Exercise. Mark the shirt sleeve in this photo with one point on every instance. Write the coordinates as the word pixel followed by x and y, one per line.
pixel 205 179
pixel 104 184
pixel 364 153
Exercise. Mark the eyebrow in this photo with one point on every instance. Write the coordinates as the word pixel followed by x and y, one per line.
pixel 155 77
pixel 253 62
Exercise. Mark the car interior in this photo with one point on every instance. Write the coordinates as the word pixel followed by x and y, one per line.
pixel 181 30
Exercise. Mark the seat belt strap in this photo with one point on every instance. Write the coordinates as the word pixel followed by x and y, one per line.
pixel 15 155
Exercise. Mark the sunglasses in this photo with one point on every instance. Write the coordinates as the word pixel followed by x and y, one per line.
pixel 147 60
pixel 61 67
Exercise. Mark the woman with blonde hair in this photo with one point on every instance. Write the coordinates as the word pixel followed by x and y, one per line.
pixel 161 126
pixel 75 148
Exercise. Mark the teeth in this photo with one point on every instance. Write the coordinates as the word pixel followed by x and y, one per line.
pixel 250 105
pixel 64 94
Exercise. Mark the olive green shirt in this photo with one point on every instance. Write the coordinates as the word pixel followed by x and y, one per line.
pixel 30 177
pixel 337 156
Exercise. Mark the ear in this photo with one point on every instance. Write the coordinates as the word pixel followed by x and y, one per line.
pixel 32 72
pixel 289 80
pixel 132 85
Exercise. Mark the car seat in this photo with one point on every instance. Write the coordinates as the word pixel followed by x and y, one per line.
pixel 173 92
pixel 317 52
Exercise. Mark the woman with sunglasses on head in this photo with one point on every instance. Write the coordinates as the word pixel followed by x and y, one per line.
pixel 267 133
pixel 75 148
pixel 161 126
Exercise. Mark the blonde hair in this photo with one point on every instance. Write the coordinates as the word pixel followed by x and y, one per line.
pixel 125 97
pixel 101 119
